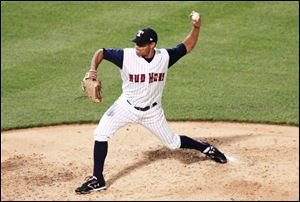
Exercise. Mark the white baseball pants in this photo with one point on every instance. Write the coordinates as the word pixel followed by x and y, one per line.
pixel 122 113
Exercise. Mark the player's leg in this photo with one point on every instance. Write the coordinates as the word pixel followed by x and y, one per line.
pixel 157 123
pixel 209 150
pixel 113 119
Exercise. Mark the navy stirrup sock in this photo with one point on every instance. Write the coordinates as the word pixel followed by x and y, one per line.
pixel 100 152
pixel 189 143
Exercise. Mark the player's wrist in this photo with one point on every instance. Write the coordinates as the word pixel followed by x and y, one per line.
pixel 93 70
pixel 196 27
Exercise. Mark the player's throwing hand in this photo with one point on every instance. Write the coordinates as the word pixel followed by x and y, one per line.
pixel 196 19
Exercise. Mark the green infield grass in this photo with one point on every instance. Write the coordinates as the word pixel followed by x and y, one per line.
pixel 244 68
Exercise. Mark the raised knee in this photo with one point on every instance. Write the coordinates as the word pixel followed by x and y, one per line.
pixel 100 137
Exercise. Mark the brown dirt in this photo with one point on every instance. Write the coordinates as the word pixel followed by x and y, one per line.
pixel 48 163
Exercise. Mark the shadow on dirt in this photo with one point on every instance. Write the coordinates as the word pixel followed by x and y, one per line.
pixel 185 156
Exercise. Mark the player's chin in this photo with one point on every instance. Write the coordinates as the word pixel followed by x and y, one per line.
pixel 138 53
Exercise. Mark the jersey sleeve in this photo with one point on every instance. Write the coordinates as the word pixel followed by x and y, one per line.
pixel 114 55
pixel 176 53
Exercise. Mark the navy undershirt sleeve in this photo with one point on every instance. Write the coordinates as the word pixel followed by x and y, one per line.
pixel 176 53
pixel 114 55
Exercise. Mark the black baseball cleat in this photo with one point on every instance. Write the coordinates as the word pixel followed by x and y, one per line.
pixel 215 154
pixel 91 184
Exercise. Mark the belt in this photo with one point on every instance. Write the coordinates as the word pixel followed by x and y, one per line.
pixel 145 108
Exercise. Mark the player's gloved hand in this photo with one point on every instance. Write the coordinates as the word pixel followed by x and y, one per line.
pixel 91 86
pixel 92 74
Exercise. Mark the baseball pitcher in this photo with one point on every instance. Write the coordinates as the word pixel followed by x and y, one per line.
pixel 144 71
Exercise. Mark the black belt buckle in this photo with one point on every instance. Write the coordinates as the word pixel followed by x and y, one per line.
pixel 142 109
pixel 145 108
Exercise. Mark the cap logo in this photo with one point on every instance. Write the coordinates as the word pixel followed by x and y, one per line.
pixel 139 33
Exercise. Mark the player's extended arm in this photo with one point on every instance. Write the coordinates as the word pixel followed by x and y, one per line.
pixel 191 40
pixel 96 60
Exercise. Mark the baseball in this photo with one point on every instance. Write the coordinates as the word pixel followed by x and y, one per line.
pixel 195 16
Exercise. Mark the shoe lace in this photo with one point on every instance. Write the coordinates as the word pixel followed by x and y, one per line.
pixel 88 179
pixel 212 150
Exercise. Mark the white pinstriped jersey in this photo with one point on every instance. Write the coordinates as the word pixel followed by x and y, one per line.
pixel 143 82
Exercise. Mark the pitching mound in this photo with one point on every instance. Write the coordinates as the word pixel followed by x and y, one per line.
pixel 49 163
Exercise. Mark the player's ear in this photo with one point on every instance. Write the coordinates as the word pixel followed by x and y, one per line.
pixel 153 44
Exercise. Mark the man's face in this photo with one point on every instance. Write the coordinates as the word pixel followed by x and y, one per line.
pixel 145 50
pixel 142 50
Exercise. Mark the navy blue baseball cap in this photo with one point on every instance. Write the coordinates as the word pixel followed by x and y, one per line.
pixel 145 36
